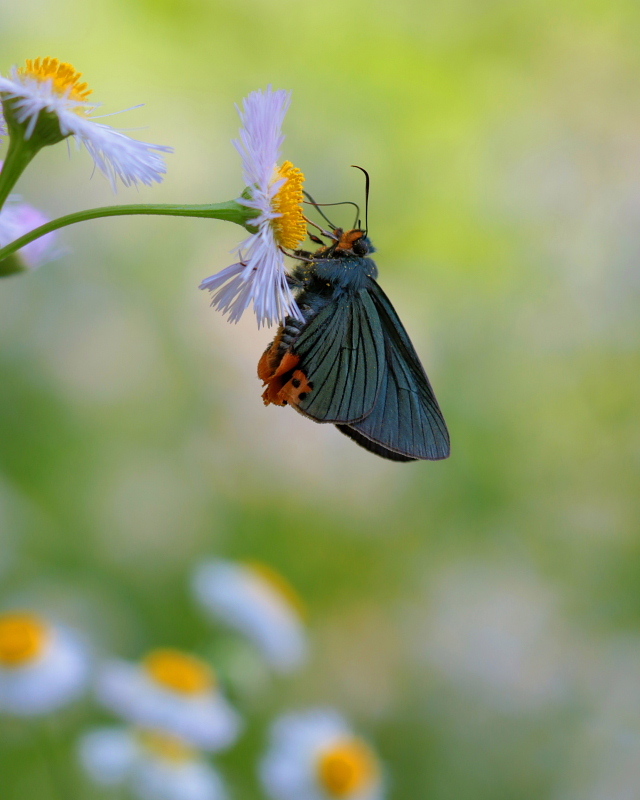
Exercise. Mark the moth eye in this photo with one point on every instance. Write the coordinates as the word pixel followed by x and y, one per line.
pixel 360 247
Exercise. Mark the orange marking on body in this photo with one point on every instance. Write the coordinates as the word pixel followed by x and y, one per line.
pixel 277 371
pixel 276 379
pixel 297 385
pixel 348 238
pixel 288 363
pixel 265 368
pixel 270 359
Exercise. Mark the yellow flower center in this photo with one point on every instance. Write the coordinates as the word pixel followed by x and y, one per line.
pixel 346 768
pixel 279 584
pixel 179 671
pixel 65 79
pixel 290 227
pixel 22 639
pixel 165 747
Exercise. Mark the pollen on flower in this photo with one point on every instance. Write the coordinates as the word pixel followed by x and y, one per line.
pixel 280 584
pixel 290 228
pixel 346 768
pixel 179 671
pixel 165 747
pixel 65 79
pixel 22 639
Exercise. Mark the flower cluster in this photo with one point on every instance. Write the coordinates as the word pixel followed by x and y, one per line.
pixel 173 714
pixel 44 103
pixel 172 707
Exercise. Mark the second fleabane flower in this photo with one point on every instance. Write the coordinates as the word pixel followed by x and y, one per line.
pixel 259 603
pixel 275 192
pixel 43 666
pixel 314 755
pixel 173 692
pixel 45 101
pixel 16 219
pixel 152 766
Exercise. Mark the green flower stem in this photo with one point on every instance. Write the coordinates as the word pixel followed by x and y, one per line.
pixel 229 212
pixel 19 154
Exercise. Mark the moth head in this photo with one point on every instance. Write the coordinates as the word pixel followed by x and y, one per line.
pixel 354 242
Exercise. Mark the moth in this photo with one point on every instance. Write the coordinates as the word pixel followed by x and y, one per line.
pixel 350 361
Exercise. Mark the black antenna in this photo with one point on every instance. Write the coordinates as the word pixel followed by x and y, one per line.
pixel 366 194
pixel 317 206
pixel 324 205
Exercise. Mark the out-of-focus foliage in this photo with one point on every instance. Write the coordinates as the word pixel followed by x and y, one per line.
pixel 477 618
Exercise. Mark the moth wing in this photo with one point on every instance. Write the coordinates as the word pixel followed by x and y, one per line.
pixel 341 354
pixel 406 419
pixel 370 445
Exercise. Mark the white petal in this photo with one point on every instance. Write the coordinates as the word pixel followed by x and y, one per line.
pixel 261 135
pixel 205 720
pixel 117 155
pixel 58 676
pixel 108 754
pixel 236 595
pixel 289 770
pixel 156 779
pixel 114 153
pixel 260 278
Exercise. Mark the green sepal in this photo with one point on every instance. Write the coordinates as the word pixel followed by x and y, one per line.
pixel 45 132
pixel 12 265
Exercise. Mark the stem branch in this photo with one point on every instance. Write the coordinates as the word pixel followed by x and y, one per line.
pixel 230 212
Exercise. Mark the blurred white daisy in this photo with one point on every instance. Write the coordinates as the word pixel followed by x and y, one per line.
pixel 16 219
pixel 276 194
pixel 173 692
pixel 152 766
pixel 42 666
pixel 48 101
pixel 314 755
pixel 257 601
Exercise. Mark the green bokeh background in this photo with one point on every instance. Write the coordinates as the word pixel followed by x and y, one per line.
pixel 478 618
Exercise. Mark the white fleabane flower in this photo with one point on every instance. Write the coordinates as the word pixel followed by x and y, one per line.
pixel 108 754
pixel 258 602
pixel 42 666
pixel 152 766
pixel 46 99
pixel 276 195
pixel 174 692
pixel 314 755
pixel 16 219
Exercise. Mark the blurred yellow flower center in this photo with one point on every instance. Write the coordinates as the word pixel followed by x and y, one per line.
pixel 165 747
pixel 179 671
pixel 346 768
pixel 65 79
pixel 22 639
pixel 279 584
pixel 290 227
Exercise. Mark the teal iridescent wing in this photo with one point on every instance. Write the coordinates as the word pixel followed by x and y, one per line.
pixel 342 355
pixel 405 422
